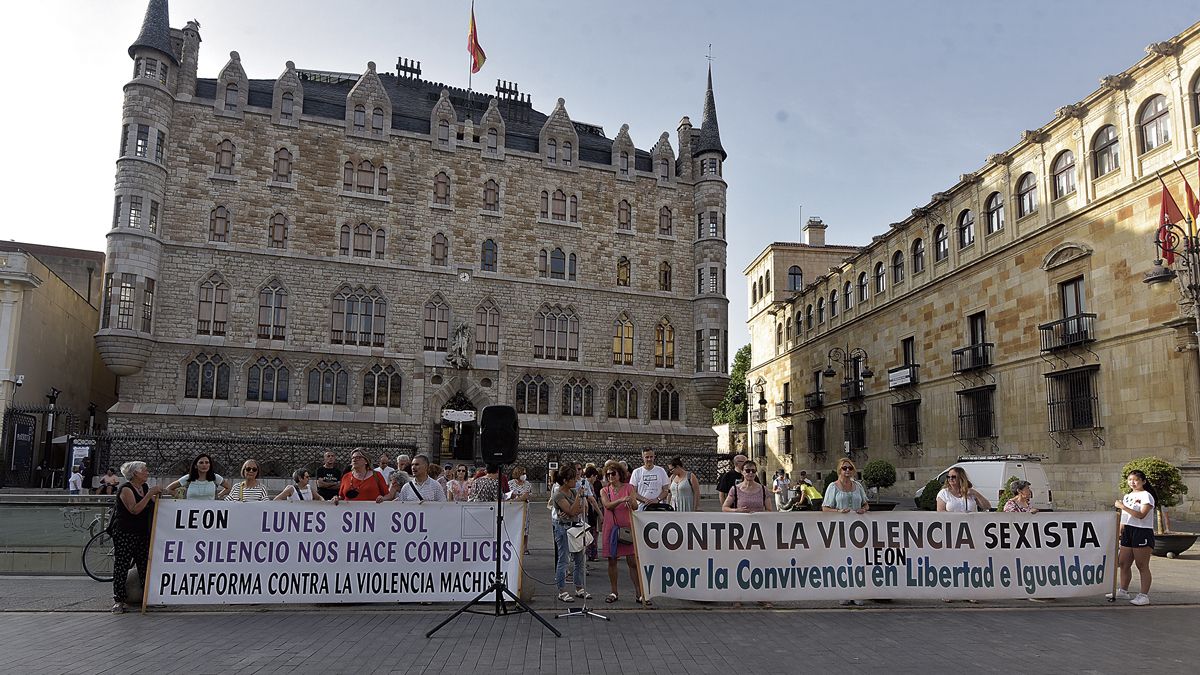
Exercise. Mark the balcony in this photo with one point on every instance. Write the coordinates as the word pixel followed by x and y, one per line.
pixel 973 357
pixel 759 414
pixel 814 400
pixel 853 390
pixel 903 376
pixel 1069 332
pixel 783 409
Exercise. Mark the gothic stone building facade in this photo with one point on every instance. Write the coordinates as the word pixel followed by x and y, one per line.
pixel 346 255
pixel 1006 315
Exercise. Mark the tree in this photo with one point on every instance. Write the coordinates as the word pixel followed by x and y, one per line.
pixel 732 408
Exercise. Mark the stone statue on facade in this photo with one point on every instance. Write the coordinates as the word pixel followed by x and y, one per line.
pixel 460 342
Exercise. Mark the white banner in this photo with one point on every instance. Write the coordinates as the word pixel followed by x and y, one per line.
pixel 293 552
pixel 918 555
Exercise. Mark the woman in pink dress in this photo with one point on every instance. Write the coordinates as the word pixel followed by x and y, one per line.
pixel 457 488
pixel 618 498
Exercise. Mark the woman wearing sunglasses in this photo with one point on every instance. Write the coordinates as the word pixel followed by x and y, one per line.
pixel 846 495
pixel 619 498
pixel 959 496
pixel 458 488
pixel 301 490
pixel 748 496
pixel 362 483
pixel 249 489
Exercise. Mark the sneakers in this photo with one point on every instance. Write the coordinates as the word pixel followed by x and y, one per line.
pixel 1140 599
pixel 1121 594
pixel 565 597
pixel 119 608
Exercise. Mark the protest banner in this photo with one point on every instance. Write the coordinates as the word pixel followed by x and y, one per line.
pixel 292 552
pixel 894 555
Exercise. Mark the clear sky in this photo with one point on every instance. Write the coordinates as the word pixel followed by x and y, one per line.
pixel 856 110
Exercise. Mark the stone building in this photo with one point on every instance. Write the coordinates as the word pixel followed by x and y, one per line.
pixel 347 255
pixel 1007 314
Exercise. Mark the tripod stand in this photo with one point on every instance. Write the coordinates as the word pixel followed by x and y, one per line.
pixel 499 586
pixel 583 610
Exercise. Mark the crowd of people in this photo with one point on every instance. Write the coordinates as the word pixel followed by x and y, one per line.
pixel 591 507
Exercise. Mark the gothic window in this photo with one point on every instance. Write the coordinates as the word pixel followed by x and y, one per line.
pixel 487 329
pixel 277 237
pixel 863 291
pixel 142 146
pixel 207 377
pixel 360 118
pixel 556 335
pixel 348 177
pixel 218 224
pixel 443 133
pixel 328 384
pixel 664 345
pixel 125 301
pixel 574 208
pixel 225 157
pixel 381 188
pixel 558 210
pixel 577 398
pixel 966 229
pixel 622 341
pixel 441 188
pixel 231 97
pixel 147 305
pixel 272 312
pixel 436 329
pixel 532 395
pixel 124 140
pixel 439 250
pixel 377 121
pixel 624 216
pixel 664 276
pixel 489 257
pixel 344 240
pixel 493 141
pixel 366 177
pixel 380 241
pixel 623 164
pixel 381 387
pixel 623 272
pixel 918 257
pixel 491 196
pixel 665 225
pixel 283 166
pixel 286 106
pixel 1106 151
pixel 551 151
pixel 558 264
pixel 994 207
pixel 1154 123
pixel 213 309
pixel 106 301
pixel 1064 174
pixel 941 244
pixel 567 154
pixel 664 403
pixel 267 380
pixel 545 210
pixel 571 267
pixel 1026 195
pixel 359 317
pixel 880 279
pixel 622 400
pixel 362 240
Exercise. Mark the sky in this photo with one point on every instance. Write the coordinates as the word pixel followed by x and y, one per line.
pixel 853 110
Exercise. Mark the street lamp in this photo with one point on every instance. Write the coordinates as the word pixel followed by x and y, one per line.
pixel 1173 240
pixel 759 387
pixel 847 357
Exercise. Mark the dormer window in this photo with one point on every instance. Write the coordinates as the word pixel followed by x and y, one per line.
pixel 286 104
pixel 559 206
pixel 567 153
pixel 231 97
pixel 493 141
pixel 710 167
pixel 377 121
pixel 623 165
pixel 664 169
pixel 360 118
pixel 443 137
pixel 366 176
pixel 551 151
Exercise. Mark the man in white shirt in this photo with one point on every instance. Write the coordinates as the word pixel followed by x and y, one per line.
pixel 421 488
pixel 651 482
pixel 385 468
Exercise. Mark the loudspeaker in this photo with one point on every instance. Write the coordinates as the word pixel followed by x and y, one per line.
pixel 498 434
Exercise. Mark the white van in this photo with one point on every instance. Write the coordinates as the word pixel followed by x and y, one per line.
pixel 988 474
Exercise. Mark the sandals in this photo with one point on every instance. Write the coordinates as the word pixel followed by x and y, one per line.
pixel 610 598
pixel 645 602
pixel 581 593
pixel 565 597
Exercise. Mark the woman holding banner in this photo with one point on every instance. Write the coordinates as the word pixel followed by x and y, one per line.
pixel 618 498
pixel 748 496
pixel 362 483
pixel 301 490
pixel 131 522
pixel 846 495
pixel 249 490
pixel 959 496
pixel 1137 536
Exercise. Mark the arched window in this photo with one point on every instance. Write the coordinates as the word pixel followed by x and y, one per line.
pixel 441 189
pixel 489 257
pixel 767 279
pixel 231 97
pixel 574 208
pixel 623 163
pixel 487 329
pixel 1064 174
pixel 366 177
pixel 966 229
pixel 344 240
pixel 380 241
pixel 664 276
pixel 571 267
pixel 360 118
pixel 941 244
pixel 277 237
pixel 624 216
pixel 622 344
pixel 493 141
pixel 1154 123
pixel 381 387
pixel 558 264
pixel 328 384
pixel 272 312
pixel 863 291
pixel 664 403
pixel 436 327
pixel 994 209
pixel 799 324
pixel 491 196
pixel 820 311
pixel 577 398
pixel 545 209
pixel 664 345
pixel 225 151
pixel 918 256
pixel 623 272
pixel 558 205
pixel 359 317
pixel 880 279
pixel 381 187
pixel 443 133
pixel 567 154
pixel 897 267
pixel 283 166
pixel 833 304
pixel 665 224
pixel 286 106
pixel 213 310
pixel 362 240
pixel 622 400
pixel 267 380
pixel 1026 195
pixel 1106 151
pixel 556 334
pixel 348 177
pixel 795 278
pixel 207 377
pixel 377 121
pixel 532 395
pixel 848 296
pixel 439 250
pixel 552 151
pixel 218 224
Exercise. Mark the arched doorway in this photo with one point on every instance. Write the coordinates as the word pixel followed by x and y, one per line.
pixel 456 438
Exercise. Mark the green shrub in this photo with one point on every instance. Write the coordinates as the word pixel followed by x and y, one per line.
pixel 928 499
pixel 1007 494
pixel 1163 476
pixel 879 474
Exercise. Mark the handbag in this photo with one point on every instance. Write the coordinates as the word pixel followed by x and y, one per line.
pixel 624 535
pixel 579 538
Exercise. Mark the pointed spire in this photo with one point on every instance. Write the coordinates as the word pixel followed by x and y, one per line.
pixel 156 31
pixel 710 133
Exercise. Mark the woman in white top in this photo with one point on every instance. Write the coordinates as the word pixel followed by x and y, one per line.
pixel 301 491
pixel 249 490
pixel 780 487
pixel 958 496
pixel 201 482
pixel 1137 536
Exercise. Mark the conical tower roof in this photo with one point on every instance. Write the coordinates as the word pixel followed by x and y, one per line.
pixel 710 133
pixel 156 31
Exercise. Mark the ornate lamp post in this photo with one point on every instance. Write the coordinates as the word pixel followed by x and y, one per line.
pixel 1173 241
pixel 758 386
pixel 848 357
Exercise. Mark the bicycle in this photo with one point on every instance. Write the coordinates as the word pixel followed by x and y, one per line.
pixel 98 552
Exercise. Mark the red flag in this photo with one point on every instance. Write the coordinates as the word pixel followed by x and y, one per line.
pixel 473 48
pixel 1169 214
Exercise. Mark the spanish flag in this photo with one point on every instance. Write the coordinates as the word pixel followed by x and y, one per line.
pixel 473 48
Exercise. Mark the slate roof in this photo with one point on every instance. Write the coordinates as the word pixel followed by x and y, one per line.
pixel 412 106
pixel 156 30
pixel 710 133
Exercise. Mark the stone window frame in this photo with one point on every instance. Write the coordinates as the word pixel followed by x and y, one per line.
pixel 220 224
pixel 664 344
pixel 1063 174
pixel 439 250
pixel 358 307
pixel 350 240
pixel 487 328
pixel 315 378
pixel 1027 195
pixel 489 256
pixel 664 393
pixel 624 274
pixel 281 169
pixel 277 231
pixel 280 380
pixel 664 276
pixel 556 333
pixel 272 309
pixel 623 340
pixel 212 305
pixel 435 324
pixel 578 397
pixel 622 400
pixel 385 379
pixel 539 402
pixel 1106 151
pixel 1154 123
pixel 965 227
pixel 225 157
pixel 196 374
pixel 994 212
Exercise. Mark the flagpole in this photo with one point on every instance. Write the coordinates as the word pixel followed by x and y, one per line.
pixel 471 56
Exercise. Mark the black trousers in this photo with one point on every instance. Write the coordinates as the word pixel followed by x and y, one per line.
pixel 129 548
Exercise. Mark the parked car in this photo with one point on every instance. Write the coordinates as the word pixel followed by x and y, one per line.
pixel 989 473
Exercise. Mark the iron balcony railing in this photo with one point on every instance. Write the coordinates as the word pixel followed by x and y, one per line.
pixel 814 400
pixel 972 357
pixel 783 409
pixel 1069 332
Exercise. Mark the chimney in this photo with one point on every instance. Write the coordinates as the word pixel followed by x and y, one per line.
pixel 814 231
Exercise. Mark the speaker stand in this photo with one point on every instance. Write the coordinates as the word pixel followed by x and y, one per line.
pixel 582 611
pixel 499 587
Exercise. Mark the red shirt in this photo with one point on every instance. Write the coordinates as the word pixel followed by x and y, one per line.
pixel 368 488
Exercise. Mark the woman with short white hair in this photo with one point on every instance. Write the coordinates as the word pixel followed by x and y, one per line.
pixel 131 528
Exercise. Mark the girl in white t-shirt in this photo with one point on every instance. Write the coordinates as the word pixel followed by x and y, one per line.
pixel 1137 536
pixel 302 490
pixel 959 496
